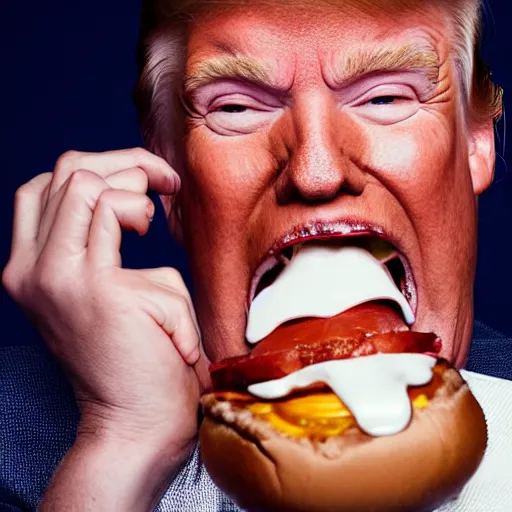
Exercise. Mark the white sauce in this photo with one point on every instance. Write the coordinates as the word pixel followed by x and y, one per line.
pixel 374 388
pixel 322 281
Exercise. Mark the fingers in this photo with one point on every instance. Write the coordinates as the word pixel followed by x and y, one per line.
pixel 78 184
pixel 66 220
pixel 180 322
pixel 28 205
pixel 116 210
pixel 170 278
pixel 161 177
pixel 73 193
pixel 174 315
pixel 133 180
pixel 183 331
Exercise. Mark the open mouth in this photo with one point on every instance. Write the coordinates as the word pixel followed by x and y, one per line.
pixel 371 239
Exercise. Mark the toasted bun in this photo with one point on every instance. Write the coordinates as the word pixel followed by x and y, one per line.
pixel 416 470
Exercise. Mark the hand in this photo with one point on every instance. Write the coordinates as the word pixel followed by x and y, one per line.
pixel 128 339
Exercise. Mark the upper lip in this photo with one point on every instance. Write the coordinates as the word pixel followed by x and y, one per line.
pixel 323 230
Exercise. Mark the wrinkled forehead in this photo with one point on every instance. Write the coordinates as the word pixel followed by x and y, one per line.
pixel 267 41
pixel 356 21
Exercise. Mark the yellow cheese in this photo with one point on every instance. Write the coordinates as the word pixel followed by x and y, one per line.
pixel 315 415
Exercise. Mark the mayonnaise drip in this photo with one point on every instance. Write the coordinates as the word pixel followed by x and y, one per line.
pixel 374 388
pixel 322 281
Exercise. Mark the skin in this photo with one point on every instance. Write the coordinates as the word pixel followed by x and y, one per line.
pixel 317 153
pixel 324 154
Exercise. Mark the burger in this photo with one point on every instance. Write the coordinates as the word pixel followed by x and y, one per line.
pixel 339 406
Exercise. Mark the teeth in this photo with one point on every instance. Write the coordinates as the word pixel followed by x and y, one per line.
pixel 296 249
pixel 284 259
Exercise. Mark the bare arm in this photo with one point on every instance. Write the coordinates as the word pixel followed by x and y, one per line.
pixel 114 474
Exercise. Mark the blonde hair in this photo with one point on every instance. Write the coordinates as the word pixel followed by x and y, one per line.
pixel 161 59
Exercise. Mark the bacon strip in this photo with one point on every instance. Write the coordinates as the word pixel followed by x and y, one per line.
pixel 235 374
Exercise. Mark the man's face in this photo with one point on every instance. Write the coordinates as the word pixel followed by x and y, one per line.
pixel 314 121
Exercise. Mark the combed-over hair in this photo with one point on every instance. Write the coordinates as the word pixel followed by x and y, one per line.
pixel 161 61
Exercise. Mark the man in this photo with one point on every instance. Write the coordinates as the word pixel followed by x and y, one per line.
pixel 270 120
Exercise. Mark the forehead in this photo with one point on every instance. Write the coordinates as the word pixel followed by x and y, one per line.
pixel 284 36
pixel 268 27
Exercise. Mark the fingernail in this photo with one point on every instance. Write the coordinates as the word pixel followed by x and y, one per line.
pixel 150 212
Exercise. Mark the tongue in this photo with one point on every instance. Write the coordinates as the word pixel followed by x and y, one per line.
pixel 323 281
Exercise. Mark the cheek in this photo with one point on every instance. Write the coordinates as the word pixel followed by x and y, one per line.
pixel 225 174
pixel 425 165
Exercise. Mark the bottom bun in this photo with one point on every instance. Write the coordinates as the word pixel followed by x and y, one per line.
pixel 416 470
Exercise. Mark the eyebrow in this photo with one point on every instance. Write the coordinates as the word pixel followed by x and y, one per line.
pixel 231 67
pixel 345 69
pixel 406 58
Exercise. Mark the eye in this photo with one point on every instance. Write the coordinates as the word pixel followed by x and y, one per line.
pixel 239 114
pixel 233 109
pixel 387 104
pixel 383 100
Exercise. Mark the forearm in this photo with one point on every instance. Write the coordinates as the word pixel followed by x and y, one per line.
pixel 106 475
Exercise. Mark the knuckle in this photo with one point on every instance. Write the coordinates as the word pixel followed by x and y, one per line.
pixel 105 197
pixel 22 193
pixel 82 178
pixel 181 305
pixel 68 161
pixel 141 174
pixel 139 153
pixel 139 178
pixel 34 186
pixel 174 277
pixel 109 199
pixel 11 279
pixel 47 280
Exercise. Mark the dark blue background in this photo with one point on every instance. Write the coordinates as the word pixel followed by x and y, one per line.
pixel 67 72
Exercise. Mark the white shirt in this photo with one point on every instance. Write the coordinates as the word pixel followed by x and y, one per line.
pixel 490 489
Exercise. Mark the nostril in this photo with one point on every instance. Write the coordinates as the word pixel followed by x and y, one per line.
pixel 315 192
pixel 319 185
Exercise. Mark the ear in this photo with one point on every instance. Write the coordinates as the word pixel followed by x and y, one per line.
pixel 482 155
pixel 172 211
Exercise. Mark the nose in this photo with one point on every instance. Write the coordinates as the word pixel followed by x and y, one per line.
pixel 321 163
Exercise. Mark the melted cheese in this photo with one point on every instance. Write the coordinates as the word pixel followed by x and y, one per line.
pixel 373 388
pixel 322 281
pixel 318 415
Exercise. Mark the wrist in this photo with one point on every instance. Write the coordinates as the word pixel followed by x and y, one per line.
pixel 143 469
pixel 113 471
